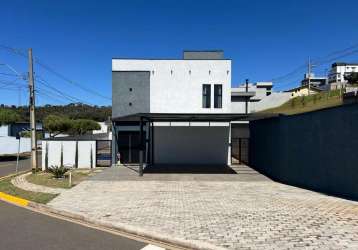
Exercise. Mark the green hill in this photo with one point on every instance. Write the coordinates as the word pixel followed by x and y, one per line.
pixel 303 104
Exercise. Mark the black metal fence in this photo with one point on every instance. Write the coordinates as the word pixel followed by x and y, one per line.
pixel 240 150
pixel 103 153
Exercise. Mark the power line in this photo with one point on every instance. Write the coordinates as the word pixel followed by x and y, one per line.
pixel 64 95
pixel 318 62
pixel 337 52
pixel 48 96
pixel 7 83
pixel 7 74
pixel 51 70
pixel 44 83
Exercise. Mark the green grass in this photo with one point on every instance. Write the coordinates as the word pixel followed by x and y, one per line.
pixel 304 104
pixel 47 179
pixel 7 187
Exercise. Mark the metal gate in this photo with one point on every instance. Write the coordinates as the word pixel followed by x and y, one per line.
pixel 240 150
pixel 103 153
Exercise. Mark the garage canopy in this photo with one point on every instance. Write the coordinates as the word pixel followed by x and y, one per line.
pixel 168 117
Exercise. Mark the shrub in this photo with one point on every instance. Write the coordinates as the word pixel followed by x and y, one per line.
pixel 58 171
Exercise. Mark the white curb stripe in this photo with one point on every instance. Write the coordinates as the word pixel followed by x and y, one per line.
pixel 152 247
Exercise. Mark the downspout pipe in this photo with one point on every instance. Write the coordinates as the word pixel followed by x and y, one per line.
pixel 246 98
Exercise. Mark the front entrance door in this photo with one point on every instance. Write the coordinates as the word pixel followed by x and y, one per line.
pixel 128 146
pixel 240 150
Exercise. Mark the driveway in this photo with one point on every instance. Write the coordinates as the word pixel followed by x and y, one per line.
pixel 242 211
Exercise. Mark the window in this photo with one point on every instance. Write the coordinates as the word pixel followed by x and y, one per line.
pixel 218 96
pixel 206 95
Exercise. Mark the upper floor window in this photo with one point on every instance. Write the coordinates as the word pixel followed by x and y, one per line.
pixel 218 96
pixel 206 95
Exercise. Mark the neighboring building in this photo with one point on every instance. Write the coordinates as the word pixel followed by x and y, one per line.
pixel 103 129
pixel 181 107
pixel 303 91
pixel 251 93
pixel 8 142
pixel 19 127
pixel 315 81
pixel 338 71
pixel 257 97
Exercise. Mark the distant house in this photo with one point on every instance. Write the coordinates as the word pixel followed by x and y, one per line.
pixel 104 128
pixel 338 71
pixel 315 81
pixel 303 91
pixel 18 127
pixel 8 142
pixel 259 96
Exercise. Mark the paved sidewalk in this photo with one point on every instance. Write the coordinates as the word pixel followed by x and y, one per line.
pixel 239 214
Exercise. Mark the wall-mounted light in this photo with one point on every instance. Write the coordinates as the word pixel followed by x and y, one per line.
pixel 171 72
pixel 209 72
pixel 189 72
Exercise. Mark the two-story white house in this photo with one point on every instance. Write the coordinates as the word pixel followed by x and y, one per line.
pixel 172 111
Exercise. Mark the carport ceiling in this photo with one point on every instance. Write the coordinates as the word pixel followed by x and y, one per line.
pixel 170 117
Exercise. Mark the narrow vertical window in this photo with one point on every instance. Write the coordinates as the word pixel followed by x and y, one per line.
pixel 218 96
pixel 206 95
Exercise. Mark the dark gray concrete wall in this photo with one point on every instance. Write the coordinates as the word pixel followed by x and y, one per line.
pixel 203 55
pixel 316 150
pixel 130 92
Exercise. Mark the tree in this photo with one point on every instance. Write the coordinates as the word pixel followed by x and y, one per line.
pixel 352 78
pixel 55 124
pixel 83 126
pixel 8 116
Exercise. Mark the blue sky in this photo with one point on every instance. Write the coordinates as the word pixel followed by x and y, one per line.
pixel 265 39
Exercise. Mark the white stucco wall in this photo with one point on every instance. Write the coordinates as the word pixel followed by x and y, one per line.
pixel 9 145
pixel 191 145
pixel 69 153
pixel 176 85
pixel 239 107
pixel 4 130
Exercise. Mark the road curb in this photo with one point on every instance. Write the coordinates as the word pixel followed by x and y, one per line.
pixel 11 198
pixel 14 199
pixel 135 231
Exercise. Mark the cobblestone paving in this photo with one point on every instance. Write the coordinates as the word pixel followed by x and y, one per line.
pixel 234 215
pixel 21 182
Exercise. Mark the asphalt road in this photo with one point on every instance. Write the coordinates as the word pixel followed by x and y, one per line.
pixel 24 229
pixel 21 228
pixel 9 166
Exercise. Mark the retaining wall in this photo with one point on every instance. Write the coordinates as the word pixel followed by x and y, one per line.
pixel 316 150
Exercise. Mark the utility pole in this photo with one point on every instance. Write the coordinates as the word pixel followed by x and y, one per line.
pixel 309 75
pixel 32 114
pixel 19 96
